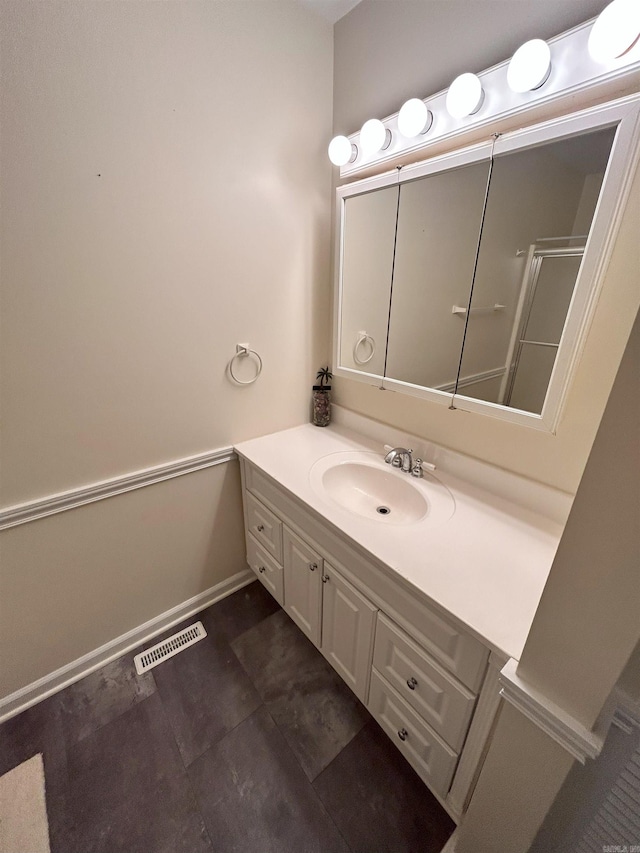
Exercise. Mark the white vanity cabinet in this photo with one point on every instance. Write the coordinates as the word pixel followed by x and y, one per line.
pixel 418 671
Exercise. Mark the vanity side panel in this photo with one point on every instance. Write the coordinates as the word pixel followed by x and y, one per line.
pixel 478 739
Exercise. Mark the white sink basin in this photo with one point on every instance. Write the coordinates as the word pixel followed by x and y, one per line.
pixel 362 483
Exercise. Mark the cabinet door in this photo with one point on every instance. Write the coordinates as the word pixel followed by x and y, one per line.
pixel 302 585
pixel 348 620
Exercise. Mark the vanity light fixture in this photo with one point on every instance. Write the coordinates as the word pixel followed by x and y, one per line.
pixel 342 151
pixel 586 58
pixel 465 96
pixel 615 31
pixel 530 66
pixel 414 118
pixel 374 136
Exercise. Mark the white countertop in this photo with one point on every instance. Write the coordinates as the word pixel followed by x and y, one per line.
pixel 486 565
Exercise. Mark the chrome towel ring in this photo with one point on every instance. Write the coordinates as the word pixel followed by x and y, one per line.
pixel 244 351
pixel 364 338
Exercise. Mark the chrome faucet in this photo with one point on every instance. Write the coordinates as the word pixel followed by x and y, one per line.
pixel 400 457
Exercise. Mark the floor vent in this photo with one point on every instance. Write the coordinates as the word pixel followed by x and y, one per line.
pixel 168 648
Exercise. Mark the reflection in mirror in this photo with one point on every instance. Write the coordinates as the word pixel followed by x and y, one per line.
pixel 439 220
pixel 539 211
pixel 367 262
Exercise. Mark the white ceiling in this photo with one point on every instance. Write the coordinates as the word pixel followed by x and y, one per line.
pixel 332 10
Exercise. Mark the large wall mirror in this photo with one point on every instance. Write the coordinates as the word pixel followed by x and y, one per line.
pixel 469 279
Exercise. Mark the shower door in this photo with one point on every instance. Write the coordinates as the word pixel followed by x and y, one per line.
pixel 549 287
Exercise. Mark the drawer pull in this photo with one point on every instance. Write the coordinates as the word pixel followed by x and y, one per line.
pixel 412 683
pixel 260 528
pixel 261 569
pixel 313 567
pixel 403 734
pixel 325 578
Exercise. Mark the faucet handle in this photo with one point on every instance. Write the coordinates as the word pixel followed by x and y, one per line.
pixel 416 471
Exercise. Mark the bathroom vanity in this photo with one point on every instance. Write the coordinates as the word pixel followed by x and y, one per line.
pixel 417 608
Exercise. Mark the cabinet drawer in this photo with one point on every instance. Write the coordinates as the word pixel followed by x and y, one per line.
pixel 265 527
pixel 269 572
pixel 431 758
pixel 436 695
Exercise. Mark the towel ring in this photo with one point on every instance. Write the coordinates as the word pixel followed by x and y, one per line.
pixel 243 351
pixel 364 338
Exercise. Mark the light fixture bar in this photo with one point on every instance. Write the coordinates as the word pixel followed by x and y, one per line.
pixel 572 71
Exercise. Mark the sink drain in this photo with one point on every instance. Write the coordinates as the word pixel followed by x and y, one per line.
pixel 383 510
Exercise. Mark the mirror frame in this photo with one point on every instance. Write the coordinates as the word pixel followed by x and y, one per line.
pixel 624 114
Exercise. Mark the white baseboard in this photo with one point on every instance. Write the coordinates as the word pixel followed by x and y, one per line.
pixel 77 669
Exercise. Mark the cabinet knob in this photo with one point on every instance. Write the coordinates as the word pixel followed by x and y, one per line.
pixel 412 683
pixel 403 734
pixel 261 569
pixel 313 567
pixel 260 528
pixel 325 578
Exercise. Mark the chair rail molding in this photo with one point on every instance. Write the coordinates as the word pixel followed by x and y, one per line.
pixel 23 513
pixel 563 728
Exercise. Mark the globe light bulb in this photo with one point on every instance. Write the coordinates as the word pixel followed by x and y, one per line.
pixel 342 151
pixel 530 66
pixel 465 96
pixel 414 118
pixel 615 30
pixel 374 136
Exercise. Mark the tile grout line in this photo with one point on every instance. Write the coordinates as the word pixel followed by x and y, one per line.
pixel 264 705
pixel 102 725
pixel 325 810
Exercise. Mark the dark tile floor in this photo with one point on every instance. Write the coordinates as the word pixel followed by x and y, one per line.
pixel 246 741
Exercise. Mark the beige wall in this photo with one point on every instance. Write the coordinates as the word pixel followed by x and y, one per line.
pixel 587 621
pixel 630 678
pixel 74 581
pixel 165 194
pixel 522 774
pixel 381 58
pixel 585 634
